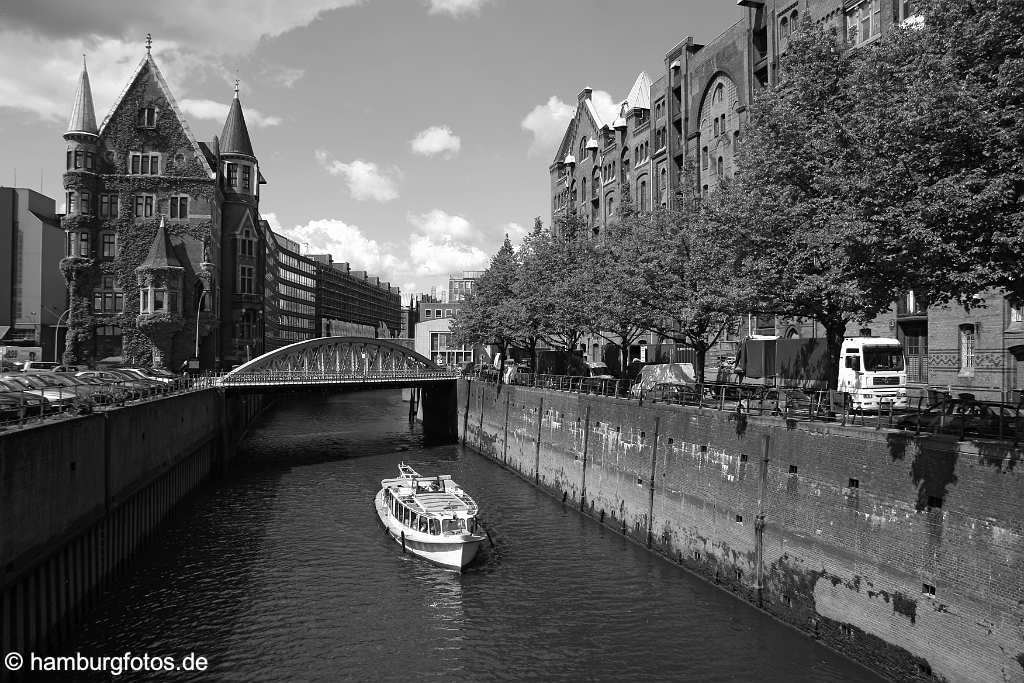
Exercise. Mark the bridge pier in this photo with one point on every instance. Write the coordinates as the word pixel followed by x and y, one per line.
pixel 440 412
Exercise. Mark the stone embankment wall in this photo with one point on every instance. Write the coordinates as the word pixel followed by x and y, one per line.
pixel 905 553
pixel 79 496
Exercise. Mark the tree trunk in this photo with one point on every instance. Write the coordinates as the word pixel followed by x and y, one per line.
pixel 623 357
pixel 700 355
pixel 502 349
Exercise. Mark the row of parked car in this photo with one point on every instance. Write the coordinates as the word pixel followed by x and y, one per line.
pixel 961 415
pixel 41 392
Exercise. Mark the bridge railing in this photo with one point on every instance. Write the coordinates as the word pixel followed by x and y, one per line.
pixel 299 376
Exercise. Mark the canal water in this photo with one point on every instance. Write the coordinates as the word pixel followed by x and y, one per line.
pixel 283 572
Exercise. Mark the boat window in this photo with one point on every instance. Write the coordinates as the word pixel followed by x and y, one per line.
pixel 422 525
pixel 434 529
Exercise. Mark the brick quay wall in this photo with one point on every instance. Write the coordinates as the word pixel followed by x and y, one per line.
pixel 905 553
pixel 79 496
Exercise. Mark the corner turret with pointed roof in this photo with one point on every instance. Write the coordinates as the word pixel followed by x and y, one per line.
pixel 83 116
pixel 161 252
pixel 234 139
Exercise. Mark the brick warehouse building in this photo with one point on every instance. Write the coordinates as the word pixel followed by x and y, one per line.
pixel 698 107
pixel 169 226
pixel 166 249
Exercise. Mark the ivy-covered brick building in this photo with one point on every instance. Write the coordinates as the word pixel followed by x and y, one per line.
pixel 166 251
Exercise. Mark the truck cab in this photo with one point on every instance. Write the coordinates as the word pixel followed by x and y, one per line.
pixel 873 371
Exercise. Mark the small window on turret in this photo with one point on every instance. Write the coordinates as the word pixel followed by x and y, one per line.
pixel 147 117
pixel 246 176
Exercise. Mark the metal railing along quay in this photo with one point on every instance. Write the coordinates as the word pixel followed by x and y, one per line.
pixel 24 408
pixel 939 413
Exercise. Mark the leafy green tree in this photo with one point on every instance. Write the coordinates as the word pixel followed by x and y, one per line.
pixel 692 277
pixel 938 112
pixel 617 283
pixel 488 315
pixel 554 285
pixel 807 242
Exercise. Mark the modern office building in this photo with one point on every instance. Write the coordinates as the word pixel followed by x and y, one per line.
pixel 461 284
pixel 352 303
pixel 33 295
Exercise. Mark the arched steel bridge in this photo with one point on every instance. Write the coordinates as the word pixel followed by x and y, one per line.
pixel 337 361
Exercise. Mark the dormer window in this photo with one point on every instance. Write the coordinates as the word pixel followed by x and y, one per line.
pixel 147 117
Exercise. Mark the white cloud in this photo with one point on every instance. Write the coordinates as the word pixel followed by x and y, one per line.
pixel 41 46
pixel 436 140
pixel 443 243
pixel 547 123
pixel 438 224
pixel 515 232
pixel 346 243
pixel 607 108
pixel 456 8
pixel 208 109
pixel 224 27
pixel 364 178
pixel 282 75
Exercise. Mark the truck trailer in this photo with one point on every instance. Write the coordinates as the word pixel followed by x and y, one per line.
pixel 872 370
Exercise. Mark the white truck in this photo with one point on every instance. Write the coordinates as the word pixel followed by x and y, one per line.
pixel 872 370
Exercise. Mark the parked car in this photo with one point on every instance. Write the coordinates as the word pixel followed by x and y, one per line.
pixel 102 392
pixel 38 366
pixel 14 400
pixel 66 368
pixel 135 386
pixel 56 397
pixel 149 374
pixel 964 416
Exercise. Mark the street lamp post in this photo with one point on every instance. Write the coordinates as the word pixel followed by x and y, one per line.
pixel 56 333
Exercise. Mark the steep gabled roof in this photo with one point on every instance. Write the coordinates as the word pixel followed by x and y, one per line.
pixel 234 139
pixel 148 63
pixel 83 115
pixel 640 94
pixel 161 252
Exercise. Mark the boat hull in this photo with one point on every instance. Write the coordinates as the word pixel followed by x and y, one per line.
pixel 452 551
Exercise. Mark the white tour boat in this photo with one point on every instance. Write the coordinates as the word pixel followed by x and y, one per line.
pixel 431 517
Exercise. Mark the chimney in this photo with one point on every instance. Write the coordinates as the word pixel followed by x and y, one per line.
pixel 584 94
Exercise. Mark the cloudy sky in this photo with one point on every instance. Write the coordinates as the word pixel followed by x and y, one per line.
pixel 404 136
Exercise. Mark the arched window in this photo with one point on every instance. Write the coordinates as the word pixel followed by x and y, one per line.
pixel 610 210
pixel 595 186
pixel 794 21
pixel 719 94
pixel 583 188
pixel 704 158
pixel 784 28
pixel 721 167
pixel 663 187
pixel 968 341
pixel 718 126
pixel 643 195
pixel 583 149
